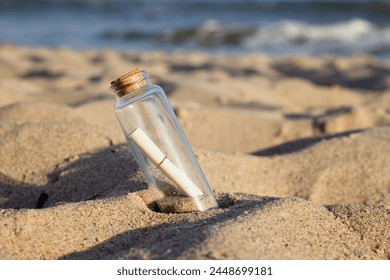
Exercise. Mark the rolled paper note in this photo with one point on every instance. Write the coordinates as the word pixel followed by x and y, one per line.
pixel 160 160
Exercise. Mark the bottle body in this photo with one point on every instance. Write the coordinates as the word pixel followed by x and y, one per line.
pixel 162 151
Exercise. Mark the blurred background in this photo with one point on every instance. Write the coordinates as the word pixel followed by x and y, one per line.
pixel 220 26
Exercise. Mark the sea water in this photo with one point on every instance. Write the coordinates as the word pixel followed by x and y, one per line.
pixel 275 27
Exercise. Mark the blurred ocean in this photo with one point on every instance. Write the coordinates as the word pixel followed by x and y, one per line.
pixel 275 27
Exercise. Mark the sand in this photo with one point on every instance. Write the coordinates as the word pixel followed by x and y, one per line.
pixel 296 150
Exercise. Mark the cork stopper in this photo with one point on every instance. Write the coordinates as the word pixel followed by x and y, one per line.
pixel 129 82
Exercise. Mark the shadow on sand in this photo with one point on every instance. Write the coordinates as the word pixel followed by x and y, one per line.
pixel 300 144
pixel 109 172
pixel 365 77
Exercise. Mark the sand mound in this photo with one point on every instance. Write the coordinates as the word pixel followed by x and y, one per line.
pixel 296 149
pixel 37 112
pixel 248 227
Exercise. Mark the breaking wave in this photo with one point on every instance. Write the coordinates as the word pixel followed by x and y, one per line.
pixel 355 35
pixel 345 37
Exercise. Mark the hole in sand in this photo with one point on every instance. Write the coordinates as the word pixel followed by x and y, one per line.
pixel 43 197
pixel 224 200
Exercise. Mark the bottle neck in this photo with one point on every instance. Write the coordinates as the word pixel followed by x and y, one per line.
pixel 129 83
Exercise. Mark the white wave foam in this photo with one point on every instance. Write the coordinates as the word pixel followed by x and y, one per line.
pixel 355 34
pixel 301 32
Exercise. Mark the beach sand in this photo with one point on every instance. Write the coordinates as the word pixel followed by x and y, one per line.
pixel 295 148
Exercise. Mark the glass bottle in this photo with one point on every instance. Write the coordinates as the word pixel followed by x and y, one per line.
pixel 159 145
